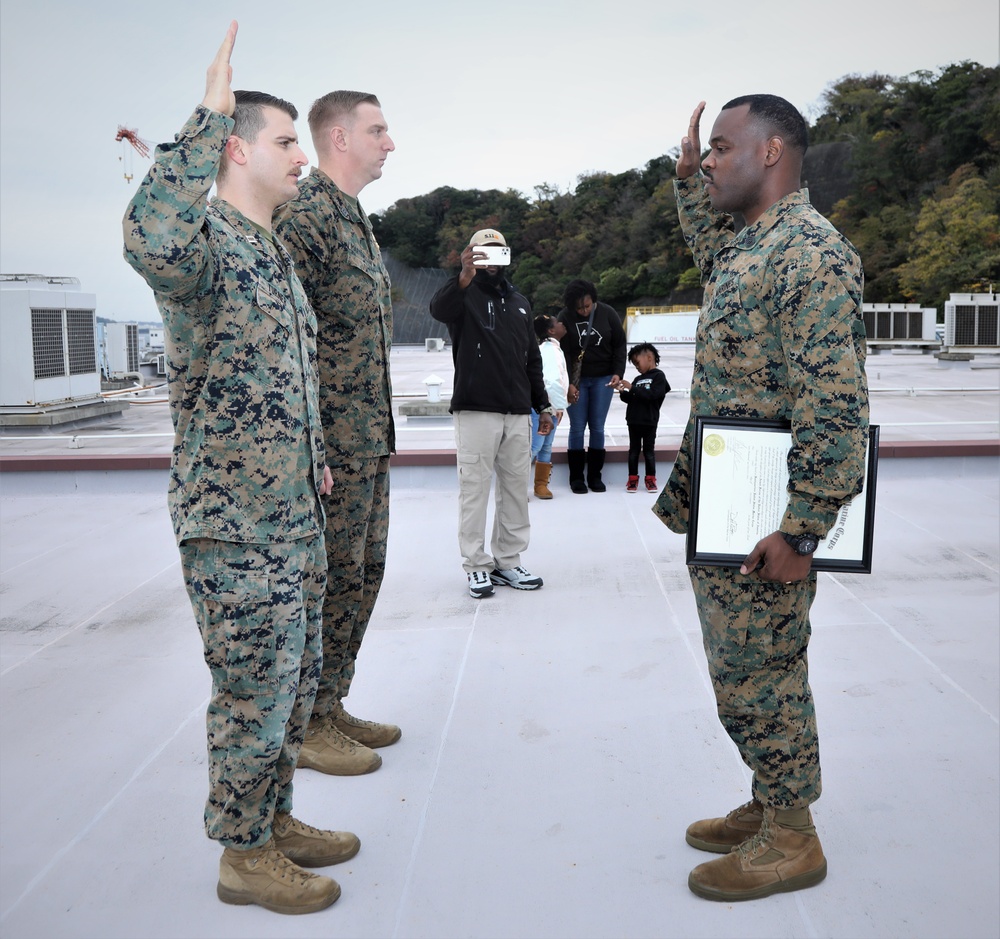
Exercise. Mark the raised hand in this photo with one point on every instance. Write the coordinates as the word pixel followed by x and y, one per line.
pixel 219 80
pixel 469 256
pixel 690 158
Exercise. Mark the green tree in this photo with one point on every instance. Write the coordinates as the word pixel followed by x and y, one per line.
pixel 908 137
pixel 903 140
pixel 690 279
pixel 432 230
pixel 615 286
pixel 957 243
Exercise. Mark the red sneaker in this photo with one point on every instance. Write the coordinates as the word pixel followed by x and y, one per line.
pixel 650 483
pixel 633 484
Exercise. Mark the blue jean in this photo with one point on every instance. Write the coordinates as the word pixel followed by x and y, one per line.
pixel 591 409
pixel 541 446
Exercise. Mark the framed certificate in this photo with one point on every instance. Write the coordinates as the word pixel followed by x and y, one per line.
pixel 739 493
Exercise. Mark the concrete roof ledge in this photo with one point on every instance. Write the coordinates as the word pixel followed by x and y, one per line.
pixel 70 462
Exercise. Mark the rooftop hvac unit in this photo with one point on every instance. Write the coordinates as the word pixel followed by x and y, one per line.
pixel 161 364
pixel 121 349
pixel 971 322
pixel 48 341
pixel 899 322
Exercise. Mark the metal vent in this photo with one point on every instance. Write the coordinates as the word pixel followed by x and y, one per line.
pixel 889 324
pixel 987 332
pixel 132 332
pixel 964 325
pixel 82 342
pixel 908 324
pixel 47 343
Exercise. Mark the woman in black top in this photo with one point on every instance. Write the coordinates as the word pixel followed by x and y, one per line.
pixel 595 330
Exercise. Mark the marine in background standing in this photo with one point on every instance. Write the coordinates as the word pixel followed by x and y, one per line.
pixel 340 265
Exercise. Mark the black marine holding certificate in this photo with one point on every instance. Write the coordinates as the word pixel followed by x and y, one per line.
pixel 780 337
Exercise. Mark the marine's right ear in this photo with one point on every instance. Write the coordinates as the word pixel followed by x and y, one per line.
pixel 235 150
pixel 338 137
pixel 775 149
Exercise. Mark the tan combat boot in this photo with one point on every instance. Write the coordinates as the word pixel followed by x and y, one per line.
pixel 542 473
pixel 331 751
pixel 266 877
pixel 312 847
pixel 721 835
pixel 778 859
pixel 368 733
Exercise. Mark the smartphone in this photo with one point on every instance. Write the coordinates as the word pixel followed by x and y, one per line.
pixel 496 256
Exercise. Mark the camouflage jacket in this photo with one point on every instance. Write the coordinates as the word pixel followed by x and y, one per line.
pixel 241 352
pixel 780 335
pixel 340 265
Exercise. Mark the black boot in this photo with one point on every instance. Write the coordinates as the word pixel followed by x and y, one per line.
pixel 595 463
pixel 577 460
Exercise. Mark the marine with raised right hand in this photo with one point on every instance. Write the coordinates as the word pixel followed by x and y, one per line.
pixel 247 472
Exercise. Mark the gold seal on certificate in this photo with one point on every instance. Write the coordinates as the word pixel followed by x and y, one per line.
pixel 714 445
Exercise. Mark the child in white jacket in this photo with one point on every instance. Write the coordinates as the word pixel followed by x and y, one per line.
pixel 549 331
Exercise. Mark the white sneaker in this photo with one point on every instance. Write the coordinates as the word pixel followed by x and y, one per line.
pixel 480 585
pixel 516 577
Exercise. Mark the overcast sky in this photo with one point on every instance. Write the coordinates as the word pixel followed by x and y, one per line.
pixel 478 94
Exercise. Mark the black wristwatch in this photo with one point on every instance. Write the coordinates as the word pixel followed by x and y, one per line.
pixel 803 544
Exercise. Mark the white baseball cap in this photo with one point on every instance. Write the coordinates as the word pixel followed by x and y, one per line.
pixel 488 236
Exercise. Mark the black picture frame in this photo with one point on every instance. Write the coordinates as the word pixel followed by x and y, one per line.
pixel 855 561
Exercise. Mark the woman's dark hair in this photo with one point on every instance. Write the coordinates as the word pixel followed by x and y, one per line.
pixel 575 291
pixel 636 351
pixel 543 323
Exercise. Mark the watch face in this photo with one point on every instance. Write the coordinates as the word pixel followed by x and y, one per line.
pixel 803 544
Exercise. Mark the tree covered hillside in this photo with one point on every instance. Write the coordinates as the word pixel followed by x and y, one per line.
pixel 908 168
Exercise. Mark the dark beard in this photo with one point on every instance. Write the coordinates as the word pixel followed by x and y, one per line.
pixel 493 280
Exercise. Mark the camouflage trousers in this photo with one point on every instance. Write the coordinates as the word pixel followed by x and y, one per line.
pixel 258 607
pixel 756 634
pixel 357 529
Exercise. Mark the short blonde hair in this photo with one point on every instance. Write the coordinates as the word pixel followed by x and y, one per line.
pixel 335 108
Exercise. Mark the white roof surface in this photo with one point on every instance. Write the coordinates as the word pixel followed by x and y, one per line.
pixel 555 743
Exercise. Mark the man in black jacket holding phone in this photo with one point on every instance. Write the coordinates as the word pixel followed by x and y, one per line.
pixel 498 380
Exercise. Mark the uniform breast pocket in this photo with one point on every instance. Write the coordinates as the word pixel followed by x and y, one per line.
pixel 735 327
pixel 362 268
pixel 269 344
pixel 273 305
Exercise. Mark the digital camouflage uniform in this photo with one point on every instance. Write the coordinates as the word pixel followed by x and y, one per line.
pixel 245 472
pixel 780 336
pixel 338 259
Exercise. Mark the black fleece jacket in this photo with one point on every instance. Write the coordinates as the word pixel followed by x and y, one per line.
pixel 497 363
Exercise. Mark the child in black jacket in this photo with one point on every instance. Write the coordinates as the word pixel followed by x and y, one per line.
pixel 643 398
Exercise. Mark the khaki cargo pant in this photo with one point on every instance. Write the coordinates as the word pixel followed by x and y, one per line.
pixel 489 444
